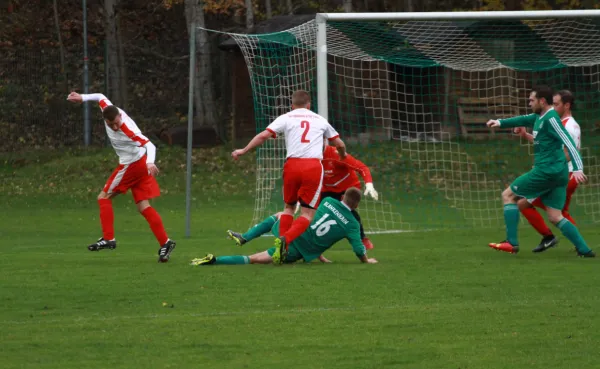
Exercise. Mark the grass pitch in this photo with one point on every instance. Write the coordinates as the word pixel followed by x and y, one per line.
pixel 438 299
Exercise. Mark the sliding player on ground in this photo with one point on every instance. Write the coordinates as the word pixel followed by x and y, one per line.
pixel 563 102
pixel 136 171
pixel 302 172
pixel 333 221
pixel 341 175
pixel 549 177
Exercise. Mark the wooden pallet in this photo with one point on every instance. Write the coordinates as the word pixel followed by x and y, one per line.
pixel 473 114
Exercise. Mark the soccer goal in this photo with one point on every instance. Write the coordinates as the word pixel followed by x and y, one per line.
pixel 410 93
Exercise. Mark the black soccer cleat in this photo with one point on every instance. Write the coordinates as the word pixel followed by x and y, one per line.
pixel 102 244
pixel 237 237
pixel 589 254
pixel 546 243
pixel 165 251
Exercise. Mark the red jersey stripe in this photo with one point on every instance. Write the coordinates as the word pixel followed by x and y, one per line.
pixel 129 133
pixel 272 132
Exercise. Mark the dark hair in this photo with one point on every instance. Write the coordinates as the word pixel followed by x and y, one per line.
pixel 110 113
pixel 566 96
pixel 300 98
pixel 352 197
pixel 544 92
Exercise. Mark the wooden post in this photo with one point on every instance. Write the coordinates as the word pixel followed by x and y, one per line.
pixel 233 99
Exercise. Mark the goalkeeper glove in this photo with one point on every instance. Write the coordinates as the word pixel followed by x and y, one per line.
pixel 370 191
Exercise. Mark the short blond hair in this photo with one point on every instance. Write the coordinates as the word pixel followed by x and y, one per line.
pixel 300 98
pixel 352 197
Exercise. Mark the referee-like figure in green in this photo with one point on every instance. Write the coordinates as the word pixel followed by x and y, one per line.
pixel 549 176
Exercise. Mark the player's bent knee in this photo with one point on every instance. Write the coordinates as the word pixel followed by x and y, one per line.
pixel 509 196
pixel 143 205
pixel 523 204
pixel 103 195
pixel 554 216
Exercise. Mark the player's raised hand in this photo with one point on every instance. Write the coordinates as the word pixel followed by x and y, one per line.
pixel 74 97
pixel 152 169
pixel 579 176
pixel 237 153
pixel 370 191
pixel 493 123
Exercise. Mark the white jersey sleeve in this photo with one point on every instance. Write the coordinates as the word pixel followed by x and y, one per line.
pixel 304 131
pixel 574 130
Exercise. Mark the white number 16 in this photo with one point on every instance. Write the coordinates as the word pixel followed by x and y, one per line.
pixel 322 229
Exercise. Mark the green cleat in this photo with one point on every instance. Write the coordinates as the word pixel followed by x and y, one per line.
pixel 281 252
pixel 207 260
pixel 237 237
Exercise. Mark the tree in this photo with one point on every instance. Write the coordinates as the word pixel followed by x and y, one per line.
pixel 204 94
pixel 268 9
pixel 249 15
pixel 348 6
pixel 115 59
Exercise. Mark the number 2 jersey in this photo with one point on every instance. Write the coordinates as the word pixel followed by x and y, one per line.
pixel 333 222
pixel 304 131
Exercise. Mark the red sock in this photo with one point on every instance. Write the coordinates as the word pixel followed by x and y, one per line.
pixel 535 219
pixel 568 216
pixel 107 219
pixel 156 225
pixel 285 222
pixel 298 227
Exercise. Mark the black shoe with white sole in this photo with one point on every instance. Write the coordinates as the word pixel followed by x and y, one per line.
pixel 165 251
pixel 102 244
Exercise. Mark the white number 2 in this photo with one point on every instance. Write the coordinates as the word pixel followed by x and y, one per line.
pixel 322 229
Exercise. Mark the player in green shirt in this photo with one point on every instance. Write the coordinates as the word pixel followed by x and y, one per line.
pixel 549 176
pixel 333 221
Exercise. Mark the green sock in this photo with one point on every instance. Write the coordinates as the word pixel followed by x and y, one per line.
pixel 232 260
pixel 572 233
pixel 511 218
pixel 260 229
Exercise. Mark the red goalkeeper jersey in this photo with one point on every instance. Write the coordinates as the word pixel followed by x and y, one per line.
pixel 341 174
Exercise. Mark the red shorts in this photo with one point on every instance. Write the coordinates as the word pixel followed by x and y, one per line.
pixel 133 176
pixel 302 181
pixel 571 187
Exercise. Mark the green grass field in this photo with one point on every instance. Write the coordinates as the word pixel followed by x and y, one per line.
pixel 439 299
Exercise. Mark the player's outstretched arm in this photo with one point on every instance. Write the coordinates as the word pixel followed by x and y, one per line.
pixel 258 140
pixel 358 247
pixel 77 98
pixel 365 173
pixel 340 146
pixel 520 121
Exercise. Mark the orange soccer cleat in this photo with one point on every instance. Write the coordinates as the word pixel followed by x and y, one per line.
pixel 505 246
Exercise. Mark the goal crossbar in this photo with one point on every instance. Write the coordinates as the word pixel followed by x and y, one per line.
pixel 437 16
pixel 322 19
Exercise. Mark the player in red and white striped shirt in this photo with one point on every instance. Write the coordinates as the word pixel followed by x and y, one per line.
pixel 563 102
pixel 304 131
pixel 136 171
pixel 340 175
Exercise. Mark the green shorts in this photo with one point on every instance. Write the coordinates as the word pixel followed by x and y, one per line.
pixel 293 254
pixel 551 188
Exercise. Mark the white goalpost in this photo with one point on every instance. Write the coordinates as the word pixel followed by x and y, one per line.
pixel 411 92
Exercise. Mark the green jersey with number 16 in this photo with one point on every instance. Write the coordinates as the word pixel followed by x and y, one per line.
pixel 333 221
